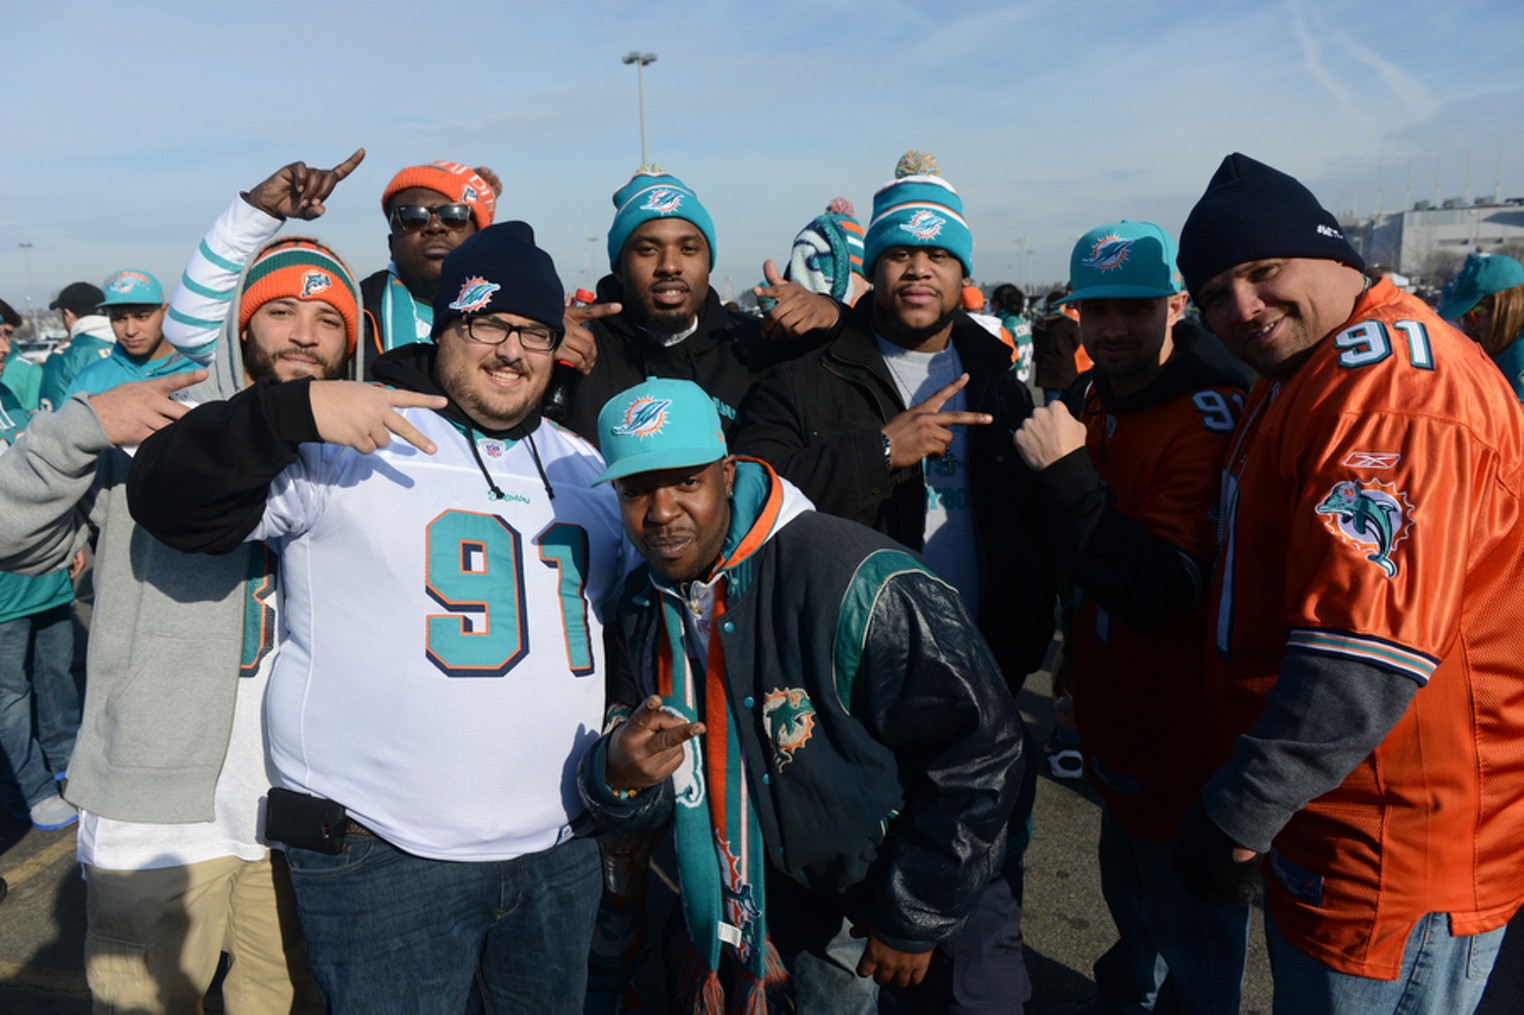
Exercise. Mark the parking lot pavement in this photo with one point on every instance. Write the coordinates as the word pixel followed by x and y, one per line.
pixel 42 920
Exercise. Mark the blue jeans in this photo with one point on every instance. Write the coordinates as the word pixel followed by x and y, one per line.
pixel 391 932
pixel 1173 953
pixel 35 655
pixel 1441 975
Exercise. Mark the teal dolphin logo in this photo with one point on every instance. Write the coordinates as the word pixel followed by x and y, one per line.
pixel 1369 517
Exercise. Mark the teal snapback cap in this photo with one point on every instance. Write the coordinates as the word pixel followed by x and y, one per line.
pixel 660 423
pixel 1480 277
pixel 131 287
pixel 1124 260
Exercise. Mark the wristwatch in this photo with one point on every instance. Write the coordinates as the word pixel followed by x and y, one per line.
pixel 888 451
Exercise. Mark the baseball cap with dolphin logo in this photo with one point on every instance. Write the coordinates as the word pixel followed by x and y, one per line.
pixel 660 423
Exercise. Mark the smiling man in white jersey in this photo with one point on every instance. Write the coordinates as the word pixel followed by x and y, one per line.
pixel 443 670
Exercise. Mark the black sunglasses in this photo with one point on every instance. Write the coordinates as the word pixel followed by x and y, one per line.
pixel 409 218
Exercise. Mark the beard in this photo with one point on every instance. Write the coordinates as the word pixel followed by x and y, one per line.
pixel 261 362
pixel 892 327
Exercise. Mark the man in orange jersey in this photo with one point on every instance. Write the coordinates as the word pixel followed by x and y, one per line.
pixel 1128 461
pixel 1366 608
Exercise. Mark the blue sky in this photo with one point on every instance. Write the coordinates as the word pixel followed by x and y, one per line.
pixel 126 133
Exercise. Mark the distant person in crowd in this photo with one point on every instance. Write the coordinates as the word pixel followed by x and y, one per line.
pixel 430 210
pixel 660 316
pixel 134 303
pixel 1129 462
pixel 90 339
pixel 828 254
pixel 20 375
pixel 1055 340
pixel 973 305
pixel 39 702
pixel 1009 303
pixel 1487 301
pixel 437 685
pixel 1366 607
pixel 810 710
pixel 903 423
pixel 170 769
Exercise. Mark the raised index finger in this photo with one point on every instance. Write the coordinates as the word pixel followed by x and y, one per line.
pixel 401 399
pixel 962 418
pixel 346 167
pixel 593 311
pixel 174 382
pixel 939 398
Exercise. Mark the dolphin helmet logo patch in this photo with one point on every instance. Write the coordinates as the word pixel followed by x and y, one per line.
pixel 924 225
pixel 127 281
pixel 314 282
pixel 788 715
pixel 643 417
pixel 1108 254
pixel 1371 516
pixel 475 293
pixel 663 201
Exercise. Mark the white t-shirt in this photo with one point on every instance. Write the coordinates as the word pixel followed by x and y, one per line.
pixel 949 546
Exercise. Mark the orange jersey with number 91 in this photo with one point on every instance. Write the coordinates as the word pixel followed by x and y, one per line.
pixel 1371 512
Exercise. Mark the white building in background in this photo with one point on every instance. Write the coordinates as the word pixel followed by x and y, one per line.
pixel 1429 243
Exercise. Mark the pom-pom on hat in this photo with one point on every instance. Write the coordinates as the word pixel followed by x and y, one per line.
pixel 654 193
pixel 129 288
pixel 919 209
pixel 499 270
pixel 456 182
pixel 1124 260
pixel 302 269
pixel 1251 212
pixel 660 423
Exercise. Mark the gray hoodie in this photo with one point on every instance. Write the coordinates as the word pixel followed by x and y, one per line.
pixel 168 633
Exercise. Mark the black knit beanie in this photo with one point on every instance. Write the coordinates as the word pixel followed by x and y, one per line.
pixel 1250 212
pixel 499 270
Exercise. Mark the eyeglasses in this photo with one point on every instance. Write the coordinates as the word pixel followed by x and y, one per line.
pixel 409 218
pixel 491 331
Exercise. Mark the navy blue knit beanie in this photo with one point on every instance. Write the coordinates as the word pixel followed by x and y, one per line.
pixel 499 270
pixel 1251 212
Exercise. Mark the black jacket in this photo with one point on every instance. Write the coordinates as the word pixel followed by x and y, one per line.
pixel 1054 340
pixel 819 419
pixel 725 356
pixel 898 798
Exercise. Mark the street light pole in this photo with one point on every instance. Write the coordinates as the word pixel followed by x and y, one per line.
pixel 31 307
pixel 640 60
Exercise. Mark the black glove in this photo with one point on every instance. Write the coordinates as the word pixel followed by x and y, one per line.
pixel 1203 857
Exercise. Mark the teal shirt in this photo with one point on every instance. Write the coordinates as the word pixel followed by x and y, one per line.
pixel 118 369
pixel 20 595
pixel 65 364
pixel 24 378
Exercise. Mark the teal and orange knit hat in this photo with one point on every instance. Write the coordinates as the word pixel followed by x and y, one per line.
pixel 919 209
pixel 303 269
pixel 828 252
pixel 456 182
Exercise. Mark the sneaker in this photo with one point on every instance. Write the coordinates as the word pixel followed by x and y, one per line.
pixel 1065 761
pixel 53 813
